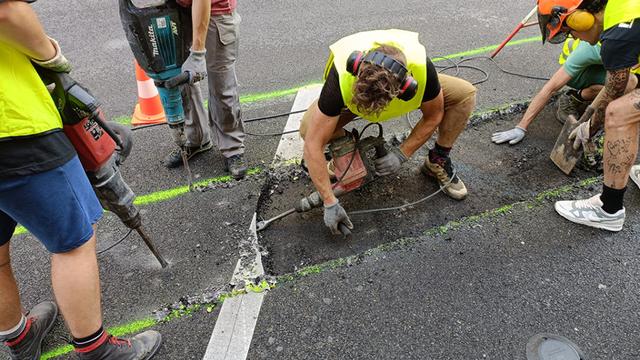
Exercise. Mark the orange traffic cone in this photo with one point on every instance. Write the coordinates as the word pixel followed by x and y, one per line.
pixel 149 107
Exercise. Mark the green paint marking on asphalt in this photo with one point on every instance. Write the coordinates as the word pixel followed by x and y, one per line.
pixel 270 95
pixel 19 230
pixel 118 331
pixel 485 49
pixel 164 195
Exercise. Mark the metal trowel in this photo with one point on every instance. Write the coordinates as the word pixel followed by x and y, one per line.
pixel 563 154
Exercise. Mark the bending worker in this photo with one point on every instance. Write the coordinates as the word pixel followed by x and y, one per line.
pixel 44 187
pixel 616 24
pixel 582 70
pixel 380 75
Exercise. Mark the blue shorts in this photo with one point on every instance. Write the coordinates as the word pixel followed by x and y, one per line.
pixel 57 206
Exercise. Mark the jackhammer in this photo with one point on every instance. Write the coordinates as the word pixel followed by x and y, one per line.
pixel 101 156
pixel 159 34
pixel 353 159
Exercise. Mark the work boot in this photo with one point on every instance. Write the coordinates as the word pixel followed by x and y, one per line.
pixel 140 347
pixel 39 321
pixel 174 159
pixel 570 104
pixel 236 165
pixel 453 187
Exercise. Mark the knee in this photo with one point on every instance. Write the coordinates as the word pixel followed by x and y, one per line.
pixel 614 114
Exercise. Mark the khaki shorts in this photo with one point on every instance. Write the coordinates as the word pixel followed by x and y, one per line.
pixel 454 89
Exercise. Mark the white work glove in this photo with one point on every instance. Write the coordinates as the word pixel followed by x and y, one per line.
pixel 513 136
pixel 57 63
pixel 196 66
pixel 334 215
pixel 580 135
pixel 390 163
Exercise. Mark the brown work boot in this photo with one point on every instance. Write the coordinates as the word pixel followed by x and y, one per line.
pixel 39 321
pixel 453 187
pixel 140 347
pixel 570 104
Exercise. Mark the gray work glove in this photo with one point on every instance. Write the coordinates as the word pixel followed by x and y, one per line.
pixel 196 66
pixel 390 163
pixel 513 136
pixel 57 63
pixel 334 215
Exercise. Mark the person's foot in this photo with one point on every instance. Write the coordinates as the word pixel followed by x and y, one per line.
pixel 589 212
pixel 635 174
pixel 140 347
pixel 569 104
pixel 236 166
pixel 450 183
pixel 39 321
pixel 174 159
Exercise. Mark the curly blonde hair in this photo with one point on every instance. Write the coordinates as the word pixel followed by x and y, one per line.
pixel 377 86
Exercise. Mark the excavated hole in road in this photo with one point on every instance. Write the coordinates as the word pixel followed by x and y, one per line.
pixel 495 175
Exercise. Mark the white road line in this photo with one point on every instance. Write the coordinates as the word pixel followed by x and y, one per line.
pixel 232 335
pixel 290 146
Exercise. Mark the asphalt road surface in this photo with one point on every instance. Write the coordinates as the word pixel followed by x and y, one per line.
pixel 441 280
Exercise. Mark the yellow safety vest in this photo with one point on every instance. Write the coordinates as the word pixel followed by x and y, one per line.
pixel 406 41
pixel 26 107
pixel 569 45
pixel 620 11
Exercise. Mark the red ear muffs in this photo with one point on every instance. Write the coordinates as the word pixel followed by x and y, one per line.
pixel 354 61
pixel 409 84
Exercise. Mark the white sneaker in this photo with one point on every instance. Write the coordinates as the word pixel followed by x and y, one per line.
pixel 635 174
pixel 589 212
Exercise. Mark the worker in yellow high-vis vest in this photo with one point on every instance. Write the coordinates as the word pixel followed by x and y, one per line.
pixel 582 71
pixel 616 25
pixel 380 75
pixel 44 187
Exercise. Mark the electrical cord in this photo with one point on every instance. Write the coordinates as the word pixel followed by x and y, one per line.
pixel 116 243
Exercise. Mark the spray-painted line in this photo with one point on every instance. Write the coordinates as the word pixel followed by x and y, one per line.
pixel 169 194
pixel 272 95
pixel 538 200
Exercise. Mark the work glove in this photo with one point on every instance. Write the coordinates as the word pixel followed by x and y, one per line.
pixel 390 163
pixel 196 66
pixel 334 215
pixel 581 135
pixel 57 63
pixel 513 136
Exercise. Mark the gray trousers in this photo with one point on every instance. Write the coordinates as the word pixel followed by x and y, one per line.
pixel 223 117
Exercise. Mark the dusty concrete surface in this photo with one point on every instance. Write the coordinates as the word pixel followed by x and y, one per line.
pixel 494 175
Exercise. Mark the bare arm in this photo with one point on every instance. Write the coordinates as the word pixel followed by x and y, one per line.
pixel 614 88
pixel 557 81
pixel 321 128
pixel 20 27
pixel 432 114
pixel 200 14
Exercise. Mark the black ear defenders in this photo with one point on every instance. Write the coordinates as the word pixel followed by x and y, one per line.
pixel 409 86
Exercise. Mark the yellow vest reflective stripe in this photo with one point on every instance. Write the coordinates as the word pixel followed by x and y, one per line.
pixel 406 41
pixel 26 108
pixel 620 11
pixel 569 45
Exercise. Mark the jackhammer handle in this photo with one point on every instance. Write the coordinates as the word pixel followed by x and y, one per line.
pixel 177 80
pixel 381 151
pixel 344 229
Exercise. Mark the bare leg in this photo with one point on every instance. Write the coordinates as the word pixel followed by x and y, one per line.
pixel 10 309
pixel 76 285
pixel 621 139
pixel 591 92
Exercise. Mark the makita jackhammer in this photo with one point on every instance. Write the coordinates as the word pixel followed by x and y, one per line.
pixel 159 34
pixel 100 155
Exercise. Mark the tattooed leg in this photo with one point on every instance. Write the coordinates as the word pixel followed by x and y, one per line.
pixel 621 139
